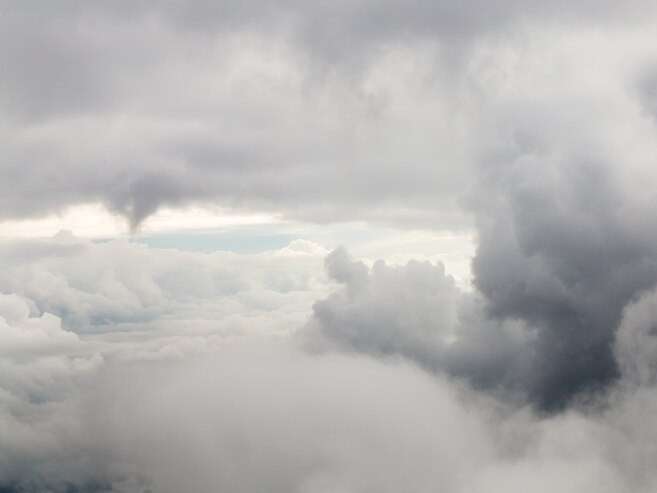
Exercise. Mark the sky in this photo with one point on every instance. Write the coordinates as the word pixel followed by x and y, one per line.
pixel 328 247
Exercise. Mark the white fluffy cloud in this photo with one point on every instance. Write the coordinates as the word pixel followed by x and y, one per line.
pixel 124 286
pixel 41 365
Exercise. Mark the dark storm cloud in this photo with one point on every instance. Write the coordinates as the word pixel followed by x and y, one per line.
pixel 563 247
pixel 562 250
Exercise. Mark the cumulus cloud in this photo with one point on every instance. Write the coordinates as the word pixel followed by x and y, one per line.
pixel 102 287
pixel 416 311
pixel 552 289
pixel 408 310
pixel 41 365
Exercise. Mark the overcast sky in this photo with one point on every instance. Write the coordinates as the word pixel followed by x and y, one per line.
pixel 322 247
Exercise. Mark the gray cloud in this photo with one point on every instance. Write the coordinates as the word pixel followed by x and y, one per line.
pixel 212 103
pixel 635 345
pixel 557 264
pixel 407 310
pixel 564 247
pixel 322 112
pixel 416 311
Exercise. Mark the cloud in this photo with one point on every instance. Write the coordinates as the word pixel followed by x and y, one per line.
pixel 407 310
pixel 41 365
pixel 297 422
pixel 150 109
pixel 96 288
pixel 563 208
pixel 552 290
pixel 25 336
pixel 416 311
pixel 127 368
pixel 363 110
pixel 174 402
pixel 565 247
pixel 276 419
pixel 635 346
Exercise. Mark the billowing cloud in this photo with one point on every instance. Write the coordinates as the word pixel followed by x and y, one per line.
pixel 407 310
pixel 553 281
pixel 564 244
pixel 416 311
pixel 126 293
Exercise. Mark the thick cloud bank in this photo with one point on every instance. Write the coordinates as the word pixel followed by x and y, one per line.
pixel 368 110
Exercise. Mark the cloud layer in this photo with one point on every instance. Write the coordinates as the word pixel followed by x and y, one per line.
pixel 368 110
